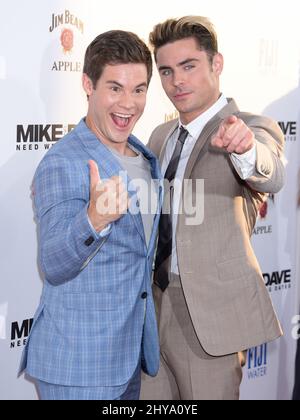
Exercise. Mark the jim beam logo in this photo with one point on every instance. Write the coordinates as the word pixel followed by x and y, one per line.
pixel 33 137
pixel 262 216
pixel 263 211
pixel 68 26
pixel 66 40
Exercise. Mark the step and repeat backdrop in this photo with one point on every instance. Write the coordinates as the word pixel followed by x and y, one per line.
pixel 42 45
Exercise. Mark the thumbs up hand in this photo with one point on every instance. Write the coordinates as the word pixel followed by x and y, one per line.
pixel 108 200
pixel 234 136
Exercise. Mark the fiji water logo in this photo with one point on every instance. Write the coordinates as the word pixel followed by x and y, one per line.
pixel 257 361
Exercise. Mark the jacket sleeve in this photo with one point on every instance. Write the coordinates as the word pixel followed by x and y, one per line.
pixel 269 172
pixel 67 240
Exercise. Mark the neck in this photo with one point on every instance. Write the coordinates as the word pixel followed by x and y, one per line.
pixel 187 118
pixel 121 148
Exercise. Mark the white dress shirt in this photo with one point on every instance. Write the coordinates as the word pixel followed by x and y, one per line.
pixel 244 164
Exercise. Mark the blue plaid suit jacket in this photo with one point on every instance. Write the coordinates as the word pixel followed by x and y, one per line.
pixel 93 318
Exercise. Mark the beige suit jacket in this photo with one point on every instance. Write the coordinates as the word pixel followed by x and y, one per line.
pixel 230 307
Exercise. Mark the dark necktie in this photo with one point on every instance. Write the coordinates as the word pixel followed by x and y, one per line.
pixel 164 246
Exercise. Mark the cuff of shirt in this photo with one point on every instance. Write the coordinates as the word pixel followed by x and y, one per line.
pixel 103 232
pixel 245 163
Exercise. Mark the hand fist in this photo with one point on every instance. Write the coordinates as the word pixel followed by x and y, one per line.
pixel 234 136
pixel 108 200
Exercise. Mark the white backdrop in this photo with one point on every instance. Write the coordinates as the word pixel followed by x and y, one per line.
pixel 41 97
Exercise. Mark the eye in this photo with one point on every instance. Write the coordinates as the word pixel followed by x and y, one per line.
pixel 166 72
pixel 140 90
pixel 189 67
pixel 115 88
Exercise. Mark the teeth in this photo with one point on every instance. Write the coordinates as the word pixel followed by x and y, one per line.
pixel 122 115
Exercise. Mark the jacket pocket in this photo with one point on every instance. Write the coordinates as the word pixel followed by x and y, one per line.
pixel 235 270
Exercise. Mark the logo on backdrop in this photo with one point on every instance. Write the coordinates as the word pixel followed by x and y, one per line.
pixel 263 216
pixel 19 332
pixel 278 280
pixel 172 116
pixel 268 56
pixel 66 40
pixel 257 362
pixel 33 137
pixel 289 129
pixel 68 27
pixel 263 211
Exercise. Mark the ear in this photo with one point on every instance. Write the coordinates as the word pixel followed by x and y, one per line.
pixel 87 84
pixel 218 62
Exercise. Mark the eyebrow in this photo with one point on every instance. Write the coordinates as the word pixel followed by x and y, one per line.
pixel 182 63
pixel 114 82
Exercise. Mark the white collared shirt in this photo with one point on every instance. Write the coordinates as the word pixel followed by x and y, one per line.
pixel 244 164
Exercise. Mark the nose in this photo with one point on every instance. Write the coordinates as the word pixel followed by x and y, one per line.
pixel 126 101
pixel 178 78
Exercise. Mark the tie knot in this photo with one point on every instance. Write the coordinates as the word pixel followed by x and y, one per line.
pixel 183 133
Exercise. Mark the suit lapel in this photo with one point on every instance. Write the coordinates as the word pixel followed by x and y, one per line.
pixel 201 142
pixel 167 136
pixel 156 175
pixel 108 166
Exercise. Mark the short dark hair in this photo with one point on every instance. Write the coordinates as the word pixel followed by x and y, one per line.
pixel 115 47
pixel 198 27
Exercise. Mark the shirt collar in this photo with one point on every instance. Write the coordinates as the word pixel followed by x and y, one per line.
pixel 196 126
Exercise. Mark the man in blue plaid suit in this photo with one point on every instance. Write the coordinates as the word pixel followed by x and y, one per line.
pixel 95 327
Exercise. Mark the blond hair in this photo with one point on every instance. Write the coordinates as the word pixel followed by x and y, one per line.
pixel 198 27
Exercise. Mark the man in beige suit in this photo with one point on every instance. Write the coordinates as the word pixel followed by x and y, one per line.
pixel 211 300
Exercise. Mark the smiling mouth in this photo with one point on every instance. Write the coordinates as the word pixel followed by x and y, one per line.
pixel 121 120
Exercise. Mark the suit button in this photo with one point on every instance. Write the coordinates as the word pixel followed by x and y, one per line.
pixel 144 295
pixel 89 241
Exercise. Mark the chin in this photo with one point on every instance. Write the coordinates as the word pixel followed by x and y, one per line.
pixel 118 140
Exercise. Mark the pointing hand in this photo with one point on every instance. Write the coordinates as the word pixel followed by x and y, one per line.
pixel 234 136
